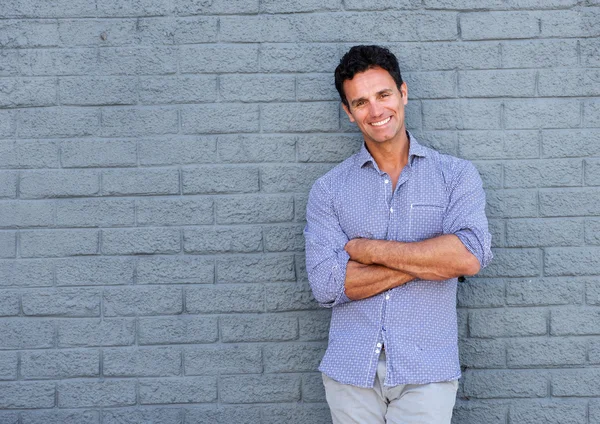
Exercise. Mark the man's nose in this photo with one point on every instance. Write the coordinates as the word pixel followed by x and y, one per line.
pixel 375 109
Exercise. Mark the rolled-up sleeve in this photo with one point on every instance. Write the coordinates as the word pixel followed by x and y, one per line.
pixel 465 216
pixel 326 259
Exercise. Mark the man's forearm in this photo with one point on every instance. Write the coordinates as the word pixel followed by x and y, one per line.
pixel 363 281
pixel 439 258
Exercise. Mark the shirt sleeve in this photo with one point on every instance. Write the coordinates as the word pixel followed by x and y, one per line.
pixel 465 216
pixel 326 258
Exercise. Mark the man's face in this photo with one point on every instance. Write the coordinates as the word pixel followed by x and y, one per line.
pixel 376 105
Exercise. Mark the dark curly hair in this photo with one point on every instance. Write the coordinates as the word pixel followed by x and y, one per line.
pixel 361 58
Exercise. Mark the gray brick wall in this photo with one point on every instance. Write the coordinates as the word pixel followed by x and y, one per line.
pixel 155 159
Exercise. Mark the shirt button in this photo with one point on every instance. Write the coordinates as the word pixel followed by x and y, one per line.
pixel 392 210
pixel 387 181
pixel 387 297
pixel 378 344
pixel 377 351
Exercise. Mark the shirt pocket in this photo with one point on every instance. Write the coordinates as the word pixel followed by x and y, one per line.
pixel 426 221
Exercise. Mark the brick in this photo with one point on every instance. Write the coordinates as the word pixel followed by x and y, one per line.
pixel 314 326
pixel 592 289
pixel 56 243
pixel 133 241
pixel 462 321
pixel 300 201
pixel 87 32
pixel 498 83
pixel 94 212
pixel 550 412
pixel 27 92
pixel 511 203
pixel 258 328
pixel 223 414
pixel 544 232
pixel 574 321
pixel 444 142
pixel 28 33
pixel 592 231
pixel 27 395
pixel 185 390
pixel 140 181
pixel 140 416
pixel 299 58
pixel 94 271
pixel 97 90
pixel 541 113
pixel 466 55
pixel 257 88
pixel 59 364
pixel 241 148
pixel 8 365
pixel 177 270
pixel 9 304
pixel 253 269
pixel 142 362
pixel 480 353
pixel 592 172
pixel 217 7
pixel 579 82
pixel 297 414
pixel 273 6
pixel 26 273
pixel 59 183
pixel 461 114
pixel 194 29
pixel 177 151
pixel 283 238
pixel 8 244
pixel 61 417
pixel 570 23
pixel 290 297
pixel 544 291
pixel 62 302
pixel 217 360
pixel 26 334
pixel 10 63
pixel 569 202
pixel 219 180
pixel 317 116
pixel 539 53
pixel 42 9
pixel 591 110
pixel 177 330
pixel 94 332
pixel 479 292
pixel 224 299
pixel 8 122
pixel 174 211
pixel 293 357
pixel 594 352
pixel 498 25
pixel 255 209
pixel 57 62
pixel 8 184
pixel 98 153
pixel 58 122
pixel 151 60
pixel 78 394
pixel 590 49
pixel 315 87
pixel 431 85
pixel 580 143
pixel 327 148
pixel 571 261
pixel 496 228
pixel 281 388
pixel 491 173
pixel 514 263
pixel 132 301
pixel 286 178
pixel 499 4
pixel 545 352
pixel 178 89
pixel 473 411
pixel 312 387
pixel 508 322
pixel 216 118
pixel 28 154
pixel 115 8
pixel 219 59
pixel 490 384
pixel 121 122
pixel 575 382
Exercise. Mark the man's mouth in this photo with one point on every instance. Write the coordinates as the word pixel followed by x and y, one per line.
pixel 380 123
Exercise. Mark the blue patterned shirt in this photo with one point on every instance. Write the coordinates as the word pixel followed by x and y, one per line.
pixel 436 194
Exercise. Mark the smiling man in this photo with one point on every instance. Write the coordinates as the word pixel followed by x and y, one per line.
pixel 389 231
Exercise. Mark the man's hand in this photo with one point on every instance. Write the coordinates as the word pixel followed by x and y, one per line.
pixel 360 250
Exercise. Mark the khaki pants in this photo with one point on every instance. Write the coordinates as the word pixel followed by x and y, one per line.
pixel 404 404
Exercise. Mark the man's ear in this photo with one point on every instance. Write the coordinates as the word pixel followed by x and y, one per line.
pixel 404 92
pixel 348 112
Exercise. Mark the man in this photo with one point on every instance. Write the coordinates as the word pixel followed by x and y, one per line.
pixel 388 232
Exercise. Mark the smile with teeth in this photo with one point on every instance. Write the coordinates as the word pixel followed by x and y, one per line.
pixel 380 123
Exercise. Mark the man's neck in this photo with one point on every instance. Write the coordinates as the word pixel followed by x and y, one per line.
pixel 391 156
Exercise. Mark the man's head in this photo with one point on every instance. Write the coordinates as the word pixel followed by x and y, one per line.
pixel 361 58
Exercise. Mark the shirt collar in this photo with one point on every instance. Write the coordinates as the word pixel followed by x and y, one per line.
pixel 414 149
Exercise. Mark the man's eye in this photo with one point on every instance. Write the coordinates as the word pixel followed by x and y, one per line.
pixel 385 94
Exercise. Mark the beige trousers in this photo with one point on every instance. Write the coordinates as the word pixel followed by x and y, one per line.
pixel 404 404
